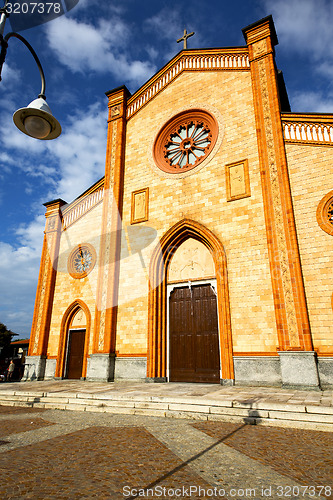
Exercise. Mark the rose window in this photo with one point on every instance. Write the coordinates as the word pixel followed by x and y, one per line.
pixel 81 260
pixel 187 145
pixel 185 141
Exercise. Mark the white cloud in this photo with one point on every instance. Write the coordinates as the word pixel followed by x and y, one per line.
pixel 68 165
pixel 30 236
pixel 83 47
pixel 5 161
pixel 309 101
pixel 10 77
pixel 19 272
pixel 80 153
pixel 167 25
pixel 304 26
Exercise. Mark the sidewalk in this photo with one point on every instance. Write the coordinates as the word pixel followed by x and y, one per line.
pixel 238 404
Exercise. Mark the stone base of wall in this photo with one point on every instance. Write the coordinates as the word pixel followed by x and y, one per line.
pixel 130 368
pixel 34 368
pixel 156 380
pixel 325 370
pixel 257 370
pixel 294 369
pixel 50 368
pixel 227 381
pixel 289 369
pixel 100 368
pixel 299 369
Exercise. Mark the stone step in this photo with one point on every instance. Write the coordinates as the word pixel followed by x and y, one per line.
pixel 258 413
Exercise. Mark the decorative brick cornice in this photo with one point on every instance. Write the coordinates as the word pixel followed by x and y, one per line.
pixel 314 129
pixel 83 204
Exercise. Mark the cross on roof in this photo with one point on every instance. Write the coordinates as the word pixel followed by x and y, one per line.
pixel 185 37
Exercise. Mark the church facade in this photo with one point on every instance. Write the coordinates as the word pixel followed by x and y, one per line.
pixel 204 254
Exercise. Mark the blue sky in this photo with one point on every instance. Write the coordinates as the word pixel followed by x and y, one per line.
pixel 98 46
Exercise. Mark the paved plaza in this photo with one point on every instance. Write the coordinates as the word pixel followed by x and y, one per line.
pixel 54 454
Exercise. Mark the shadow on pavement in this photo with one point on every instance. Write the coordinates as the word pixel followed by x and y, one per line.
pixel 187 462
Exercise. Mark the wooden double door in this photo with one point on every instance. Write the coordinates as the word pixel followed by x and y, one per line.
pixel 75 353
pixel 194 354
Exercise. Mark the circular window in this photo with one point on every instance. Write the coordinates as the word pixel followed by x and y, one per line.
pixel 81 260
pixel 325 213
pixel 185 141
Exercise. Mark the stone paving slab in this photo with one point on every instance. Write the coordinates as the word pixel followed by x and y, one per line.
pixel 207 402
pixel 238 393
pixel 111 457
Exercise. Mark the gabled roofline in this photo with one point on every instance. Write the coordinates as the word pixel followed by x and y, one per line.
pixel 177 57
pixel 216 59
pixel 174 59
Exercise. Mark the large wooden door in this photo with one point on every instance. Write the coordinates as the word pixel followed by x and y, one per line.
pixel 75 353
pixel 194 344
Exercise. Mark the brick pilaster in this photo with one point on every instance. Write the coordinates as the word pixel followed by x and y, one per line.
pixel 46 281
pixel 108 278
pixel 288 288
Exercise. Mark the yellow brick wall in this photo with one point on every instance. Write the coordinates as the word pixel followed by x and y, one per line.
pixel 311 178
pixel 202 196
pixel 68 289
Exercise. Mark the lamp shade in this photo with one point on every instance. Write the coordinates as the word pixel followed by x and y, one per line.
pixel 36 120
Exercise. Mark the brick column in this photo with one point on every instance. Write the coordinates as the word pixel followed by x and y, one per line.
pixel 289 296
pixel 101 362
pixel 290 306
pixel 35 361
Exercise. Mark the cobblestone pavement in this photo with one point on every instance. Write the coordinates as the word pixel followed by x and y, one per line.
pixel 53 454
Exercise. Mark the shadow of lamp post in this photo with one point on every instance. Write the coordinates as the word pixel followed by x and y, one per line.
pixel 36 120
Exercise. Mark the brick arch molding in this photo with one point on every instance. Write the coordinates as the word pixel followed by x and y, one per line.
pixel 64 329
pixel 157 321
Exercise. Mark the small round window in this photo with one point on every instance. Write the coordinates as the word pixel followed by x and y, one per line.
pixel 185 141
pixel 81 260
pixel 325 213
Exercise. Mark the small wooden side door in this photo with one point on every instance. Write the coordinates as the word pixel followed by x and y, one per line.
pixel 75 353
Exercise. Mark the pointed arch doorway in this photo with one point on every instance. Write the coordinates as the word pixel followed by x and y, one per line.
pixel 193 336
pixel 73 345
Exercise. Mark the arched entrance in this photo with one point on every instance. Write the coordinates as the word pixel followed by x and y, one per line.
pixel 194 353
pixel 209 327
pixel 73 346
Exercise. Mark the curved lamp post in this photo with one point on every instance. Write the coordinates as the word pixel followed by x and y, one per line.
pixel 36 120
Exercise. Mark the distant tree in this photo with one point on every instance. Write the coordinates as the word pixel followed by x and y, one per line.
pixel 5 339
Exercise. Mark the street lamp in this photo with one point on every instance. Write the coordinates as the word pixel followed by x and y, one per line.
pixel 36 120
